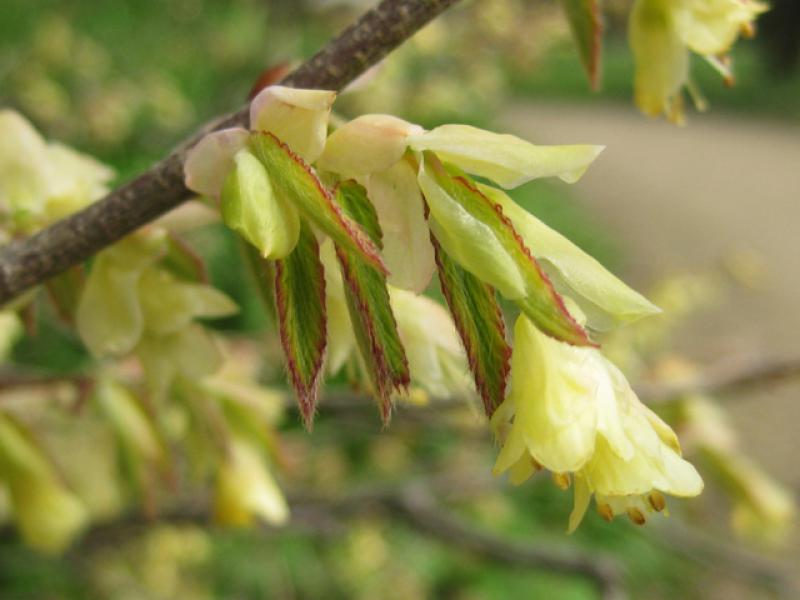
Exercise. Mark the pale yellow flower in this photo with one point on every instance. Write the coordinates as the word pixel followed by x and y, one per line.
pixel 41 182
pixel 245 489
pixel 663 32
pixel 48 514
pixel 573 412
pixel 222 166
pixel 129 303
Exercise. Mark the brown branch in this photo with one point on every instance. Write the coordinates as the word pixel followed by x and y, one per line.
pixel 734 377
pixel 28 262
pixel 727 378
pixel 420 513
pixel 409 503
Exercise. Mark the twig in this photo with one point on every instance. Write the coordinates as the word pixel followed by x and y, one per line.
pixel 419 512
pixel 732 559
pixel 28 262
pixel 727 378
pixel 410 504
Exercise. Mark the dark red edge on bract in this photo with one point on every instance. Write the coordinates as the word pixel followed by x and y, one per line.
pixel 307 394
pixel 489 404
pixel 559 301
pixel 383 374
pixel 361 239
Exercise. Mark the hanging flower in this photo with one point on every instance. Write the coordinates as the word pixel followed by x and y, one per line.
pixel 398 203
pixel 572 412
pixel 48 514
pixel 245 489
pixel 661 34
pixel 132 304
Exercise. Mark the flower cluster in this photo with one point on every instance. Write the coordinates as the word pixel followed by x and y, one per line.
pixel 133 303
pixel 349 229
pixel 41 182
pixel 575 414
pixel 663 32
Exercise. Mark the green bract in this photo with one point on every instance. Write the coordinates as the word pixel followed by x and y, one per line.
pixel 368 302
pixel 250 207
pixel 476 234
pixel 293 180
pixel 300 300
pixel 605 299
pixel 479 321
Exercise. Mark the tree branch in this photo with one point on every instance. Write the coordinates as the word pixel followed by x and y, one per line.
pixel 28 262
pixel 410 503
pixel 726 378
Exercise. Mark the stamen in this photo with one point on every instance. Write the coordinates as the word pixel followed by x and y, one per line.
pixel 637 516
pixel 561 480
pixel 657 501
pixel 606 512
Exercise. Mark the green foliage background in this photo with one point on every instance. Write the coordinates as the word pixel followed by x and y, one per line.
pixel 125 81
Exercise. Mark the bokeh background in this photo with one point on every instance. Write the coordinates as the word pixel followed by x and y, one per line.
pixel 703 217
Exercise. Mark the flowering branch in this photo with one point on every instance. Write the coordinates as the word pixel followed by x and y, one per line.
pixel 28 262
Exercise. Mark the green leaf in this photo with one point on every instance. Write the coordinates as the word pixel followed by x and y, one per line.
pixel 475 232
pixel 585 21
pixel 300 300
pixel 371 313
pixel 293 180
pixel 480 324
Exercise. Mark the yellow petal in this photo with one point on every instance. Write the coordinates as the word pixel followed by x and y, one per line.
pixel 109 316
pixel 246 489
pixel 553 392
pixel 661 58
pixel 80 181
pixel 297 117
pixel 48 514
pixel 435 355
pixel 211 159
pixel 407 249
pixel 505 159
pixel 710 27
pixel 583 495
pixel 367 144
pixel 604 298
pixel 25 170
pixel 129 419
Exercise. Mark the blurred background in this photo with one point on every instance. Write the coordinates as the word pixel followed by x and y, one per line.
pixel 704 218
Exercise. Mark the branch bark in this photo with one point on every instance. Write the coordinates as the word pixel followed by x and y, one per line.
pixel 28 262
